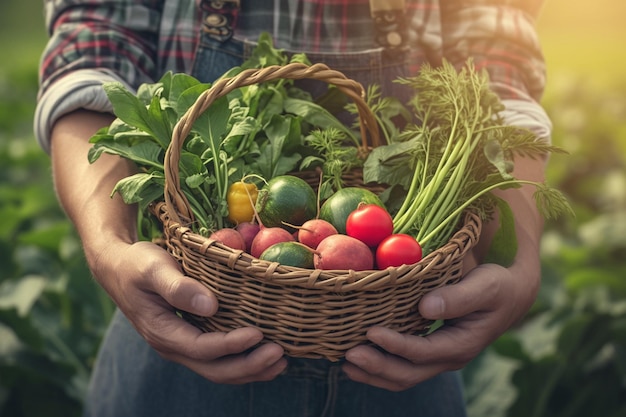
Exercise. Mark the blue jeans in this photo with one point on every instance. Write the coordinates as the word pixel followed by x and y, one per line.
pixel 131 380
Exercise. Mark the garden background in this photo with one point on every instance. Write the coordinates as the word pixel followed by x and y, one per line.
pixel 567 358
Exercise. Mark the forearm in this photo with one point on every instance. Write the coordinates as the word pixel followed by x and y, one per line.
pixel 526 266
pixel 84 189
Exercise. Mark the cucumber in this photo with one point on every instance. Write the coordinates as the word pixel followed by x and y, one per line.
pixel 290 254
pixel 288 199
pixel 338 206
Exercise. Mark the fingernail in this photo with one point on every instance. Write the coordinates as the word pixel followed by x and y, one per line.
pixel 202 304
pixel 433 307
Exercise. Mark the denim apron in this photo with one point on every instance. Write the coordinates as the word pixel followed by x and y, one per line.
pixel 131 379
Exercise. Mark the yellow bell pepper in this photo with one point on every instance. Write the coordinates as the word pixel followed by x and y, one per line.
pixel 241 198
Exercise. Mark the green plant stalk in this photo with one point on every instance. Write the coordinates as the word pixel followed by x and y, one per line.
pixel 447 158
pixel 197 207
pixel 68 354
pixel 415 183
pixel 444 200
pixel 220 167
pixel 457 212
pixel 404 221
pixel 453 188
pixel 408 202
pixel 415 206
pixel 548 389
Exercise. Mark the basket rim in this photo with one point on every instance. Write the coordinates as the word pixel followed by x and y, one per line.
pixel 274 273
pixel 173 194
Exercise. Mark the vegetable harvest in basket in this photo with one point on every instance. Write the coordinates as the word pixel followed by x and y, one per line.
pixel 453 141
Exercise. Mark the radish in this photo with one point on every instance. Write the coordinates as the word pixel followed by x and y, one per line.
pixel 229 237
pixel 343 252
pixel 312 232
pixel 268 236
pixel 248 230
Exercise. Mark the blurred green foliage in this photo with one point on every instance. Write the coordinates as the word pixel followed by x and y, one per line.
pixel 567 358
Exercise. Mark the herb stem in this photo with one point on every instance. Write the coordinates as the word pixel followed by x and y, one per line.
pixel 457 212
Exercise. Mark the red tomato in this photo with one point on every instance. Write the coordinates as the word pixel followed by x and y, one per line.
pixel 397 250
pixel 369 223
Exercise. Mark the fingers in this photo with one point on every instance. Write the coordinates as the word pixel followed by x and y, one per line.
pixel 371 366
pixel 477 310
pixel 157 273
pixel 224 357
pixel 407 360
pixel 149 287
pixel 479 290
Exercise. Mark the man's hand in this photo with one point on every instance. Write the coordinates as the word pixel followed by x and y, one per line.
pixel 143 280
pixel 148 287
pixel 477 310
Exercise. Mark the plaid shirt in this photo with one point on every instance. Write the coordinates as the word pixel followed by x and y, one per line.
pixel 136 41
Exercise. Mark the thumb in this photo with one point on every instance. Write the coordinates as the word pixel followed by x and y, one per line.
pixel 475 291
pixel 191 296
pixel 180 291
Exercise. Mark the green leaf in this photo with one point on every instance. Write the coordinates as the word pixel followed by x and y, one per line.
pixel 503 247
pixel 241 135
pixel 388 164
pixel 146 92
pixel 495 154
pixel 195 180
pixel 128 108
pixel 22 326
pixel 136 188
pixel 278 131
pixel 264 54
pixel 22 294
pixel 212 124
pixel 608 276
pixel 310 161
pixel 509 346
pixel 487 384
pixel 315 115
pixel 268 102
pixel 48 237
pixel 146 153
pixel 191 164
pixel 160 124
pixel 182 82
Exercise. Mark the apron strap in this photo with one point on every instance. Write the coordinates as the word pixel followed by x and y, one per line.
pixel 388 17
pixel 220 18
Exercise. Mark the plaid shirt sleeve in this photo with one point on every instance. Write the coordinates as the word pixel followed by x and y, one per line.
pixel 500 36
pixel 92 42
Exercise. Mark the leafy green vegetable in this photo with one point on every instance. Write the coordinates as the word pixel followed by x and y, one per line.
pixel 458 151
pixel 336 158
pixel 258 129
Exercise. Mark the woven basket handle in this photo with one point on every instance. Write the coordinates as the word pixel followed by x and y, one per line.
pixel 175 198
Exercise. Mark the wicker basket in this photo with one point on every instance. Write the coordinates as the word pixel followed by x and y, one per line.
pixel 310 313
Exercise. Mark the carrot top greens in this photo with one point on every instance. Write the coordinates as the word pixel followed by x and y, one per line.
pixel 458 149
